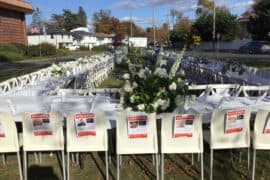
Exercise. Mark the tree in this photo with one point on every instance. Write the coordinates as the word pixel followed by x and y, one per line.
pixel 226 25
pixel 37 18
pixel 175 16
pixel 259 25
pixel 182 30
pixel 82 17
pixel 204 6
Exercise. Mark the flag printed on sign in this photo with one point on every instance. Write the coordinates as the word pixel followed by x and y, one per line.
pixel 267 126
pixel 234 121
pixel 85 124
pixel 183 125
pixel 2 131
pixel 137 126
pixel 41 124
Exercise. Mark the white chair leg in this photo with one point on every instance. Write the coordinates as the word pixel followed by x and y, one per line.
pixel 40 157
pixel 68 154
pixel 77 159
pixel 211 164
pixel 162 166
pixel 118 168
pixel 120 160
pixel 198 157
pixel 4 159
pixel 202 172
pixel 157 168
pixel 192 159
pixel 107 165
pixel 72 158
pixel 254 164
pixel 25 164
pixel 248 158
pixel 63 164
pixel 153 159
pixel 19 165
pixel 36 157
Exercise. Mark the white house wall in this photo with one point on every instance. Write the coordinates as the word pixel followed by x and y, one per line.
pixel 56 40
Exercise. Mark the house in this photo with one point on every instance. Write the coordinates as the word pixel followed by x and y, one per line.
pixel 140 42
pixel 12 21
pixel 85 39
pixel 57 37
pixel 104 39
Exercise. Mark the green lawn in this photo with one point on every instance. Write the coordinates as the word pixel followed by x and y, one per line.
pixel 111 82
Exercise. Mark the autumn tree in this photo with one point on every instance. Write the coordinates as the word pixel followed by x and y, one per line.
pixel 204 6
pixel 182 31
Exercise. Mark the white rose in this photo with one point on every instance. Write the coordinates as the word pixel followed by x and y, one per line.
pixel 160 102
pixel 173 86
pixel 141 73
pixel 141 107
pixel 135 85
pixel 155 105
pixel 128 109
pixel 166 105
pixel 127 87
pixel 126 76
pixel 131 99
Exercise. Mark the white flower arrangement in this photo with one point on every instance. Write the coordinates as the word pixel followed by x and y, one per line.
pixel 126 76
pixel 173 86
pixel 161 72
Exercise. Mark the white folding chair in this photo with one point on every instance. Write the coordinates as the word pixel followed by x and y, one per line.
pixel 37 143
pixel 218 139
pixel 126 145
pixel 98 142
pixel 261 137
pixel 172 145
pixel 9 139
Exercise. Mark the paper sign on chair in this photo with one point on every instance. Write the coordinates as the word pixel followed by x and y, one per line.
pixel 85 124
pixel 183 125
pixel 41 124
pixel 137 126
pixel 234 121
pixel 2 131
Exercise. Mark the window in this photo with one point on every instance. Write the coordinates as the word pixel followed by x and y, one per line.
pixel 52 36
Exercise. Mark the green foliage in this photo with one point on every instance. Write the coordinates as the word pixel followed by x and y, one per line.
pixel 6 56
pixel 44 49
pixel 182 31
pixel 62 52
pixel 10 52
pixel 226 25
pixel 259 25
pixel 84 48
pixel 111 82
pixel 69 20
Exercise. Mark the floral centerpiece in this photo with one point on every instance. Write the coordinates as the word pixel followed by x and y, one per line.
pixel 157 91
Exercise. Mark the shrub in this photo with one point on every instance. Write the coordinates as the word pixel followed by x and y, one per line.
pixel 6 56
pixel 9 48
pixel 22 48
pixel 33 51
pixel 84 48
pixel 47 49
pixel 62 52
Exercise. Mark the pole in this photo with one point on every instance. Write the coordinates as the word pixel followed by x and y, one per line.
pixel 214 23
pixel 154 27
pixel 131 25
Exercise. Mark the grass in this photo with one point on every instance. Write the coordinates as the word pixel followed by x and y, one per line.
pixel 177 166
pixel 111 82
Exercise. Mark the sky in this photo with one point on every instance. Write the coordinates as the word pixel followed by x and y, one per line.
pixel 141 11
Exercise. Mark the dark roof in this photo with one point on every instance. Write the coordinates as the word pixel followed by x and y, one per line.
pixel 17 5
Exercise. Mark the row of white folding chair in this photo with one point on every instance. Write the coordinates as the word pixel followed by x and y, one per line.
pixel 54 142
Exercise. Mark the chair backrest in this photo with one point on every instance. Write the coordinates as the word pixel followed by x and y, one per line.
pixel 144 144
pixel 230 129
pixel 91 138
pixel 261 138
pixel 190 138
pixel 42 132
pixel 8 134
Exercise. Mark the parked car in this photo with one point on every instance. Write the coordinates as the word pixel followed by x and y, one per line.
pixel 255 47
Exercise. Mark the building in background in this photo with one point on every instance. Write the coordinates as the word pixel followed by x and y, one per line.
pixel 104 39
pixel 140 42
pixel 12 21
pixel 56 37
